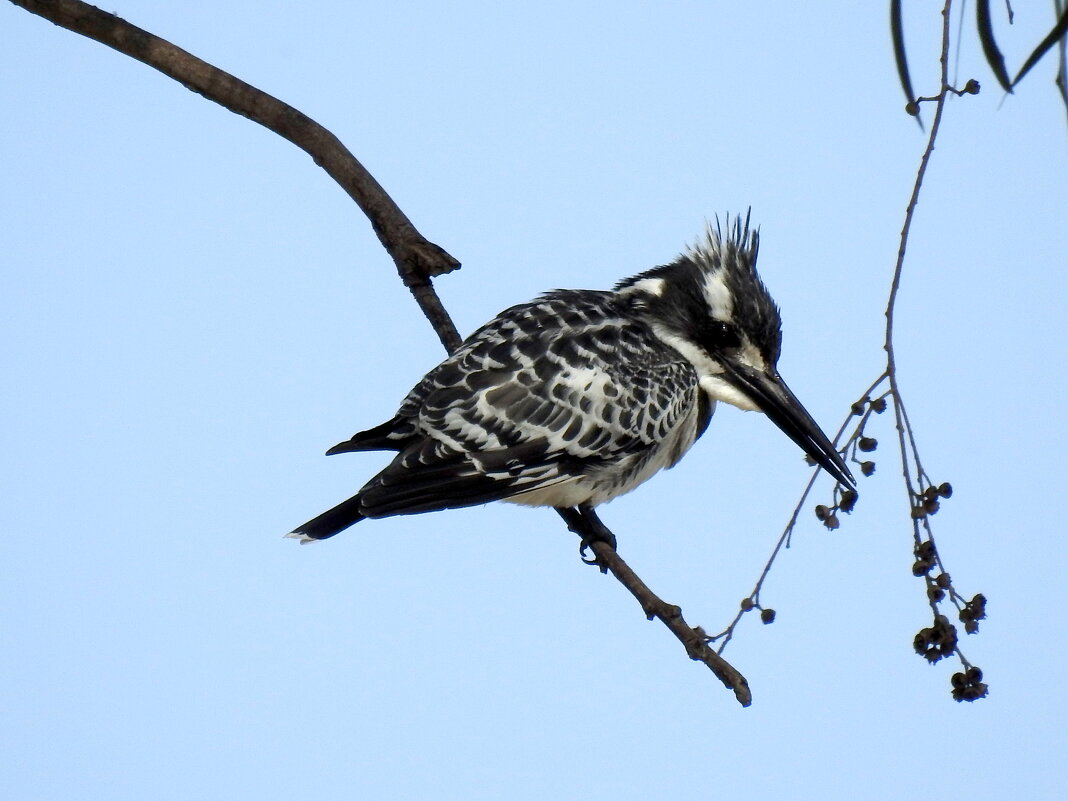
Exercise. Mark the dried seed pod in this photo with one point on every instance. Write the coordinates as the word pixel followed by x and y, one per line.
pixel 925 550
pixel 847 501
pixel 969 686
pixel 867 468
pixel 867 444
pixel 767 616
pixel 945 635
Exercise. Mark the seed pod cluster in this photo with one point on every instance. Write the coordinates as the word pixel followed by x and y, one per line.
pixel 937 641
pixel 969 686
pixel 973 611
pixel 926 557
pixel 848 500
pixel 827 516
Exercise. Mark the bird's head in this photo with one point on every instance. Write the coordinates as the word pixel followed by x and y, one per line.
pixel 711 306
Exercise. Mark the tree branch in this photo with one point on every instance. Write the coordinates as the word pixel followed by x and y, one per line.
pixel 693 639
pixel 417 259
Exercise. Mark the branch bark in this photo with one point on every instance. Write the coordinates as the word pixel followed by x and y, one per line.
pixel 693 639
pixel 417 259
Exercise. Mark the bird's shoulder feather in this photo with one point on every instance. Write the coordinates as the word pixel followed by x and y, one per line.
pixel 572 369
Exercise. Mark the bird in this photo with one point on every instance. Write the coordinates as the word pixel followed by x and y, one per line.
pixel 579 396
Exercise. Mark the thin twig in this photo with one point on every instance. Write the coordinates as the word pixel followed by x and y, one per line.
pixel 904 431
pixel 727 634
pixel 922 495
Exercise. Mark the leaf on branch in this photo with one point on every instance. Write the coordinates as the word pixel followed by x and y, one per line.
pixel 897 33
pixel 990 46
pixel 1055 35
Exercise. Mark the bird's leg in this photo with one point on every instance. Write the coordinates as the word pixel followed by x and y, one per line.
pixel 598 531
pixel 584 521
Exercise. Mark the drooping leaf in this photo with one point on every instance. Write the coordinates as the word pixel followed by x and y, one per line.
pixel 1054 36
pixel 897 34
pixel 990 46
pixel 1062 66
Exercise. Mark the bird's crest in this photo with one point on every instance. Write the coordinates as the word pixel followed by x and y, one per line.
pixel 738 248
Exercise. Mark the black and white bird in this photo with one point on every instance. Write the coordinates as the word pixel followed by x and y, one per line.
pixel 581 395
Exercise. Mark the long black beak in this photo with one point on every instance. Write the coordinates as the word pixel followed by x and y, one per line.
pixel 775 399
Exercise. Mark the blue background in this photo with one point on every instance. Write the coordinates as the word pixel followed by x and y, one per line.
pixel 192 312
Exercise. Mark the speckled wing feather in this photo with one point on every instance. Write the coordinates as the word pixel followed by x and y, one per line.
pixel 535 398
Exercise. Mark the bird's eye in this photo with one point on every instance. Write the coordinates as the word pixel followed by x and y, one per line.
pixel 719 335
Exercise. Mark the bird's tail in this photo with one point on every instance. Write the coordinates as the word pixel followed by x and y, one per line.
pixel 330 522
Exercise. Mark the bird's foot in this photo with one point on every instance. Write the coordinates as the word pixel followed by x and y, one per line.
pixel 584 521
pixel 585 545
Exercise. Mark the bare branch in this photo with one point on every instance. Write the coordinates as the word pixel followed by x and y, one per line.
pixel 417 259
pixel 596 536
pixel 692 639
pixel 939 640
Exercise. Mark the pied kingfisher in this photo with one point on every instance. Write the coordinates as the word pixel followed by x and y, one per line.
pixel 581 395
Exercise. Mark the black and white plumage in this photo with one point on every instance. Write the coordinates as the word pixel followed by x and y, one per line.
pixel 581 395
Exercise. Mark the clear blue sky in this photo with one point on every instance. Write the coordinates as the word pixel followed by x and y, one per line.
pixel 191 313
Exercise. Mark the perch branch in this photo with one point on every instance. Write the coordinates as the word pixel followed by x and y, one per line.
pixel 694 640
pixel 416 258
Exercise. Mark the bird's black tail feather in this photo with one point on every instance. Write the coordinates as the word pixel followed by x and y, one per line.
pixel 386 437
pixel 330 522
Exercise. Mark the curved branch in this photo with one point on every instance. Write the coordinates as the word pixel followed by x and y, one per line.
pixel 417 259
pixel 597 537
pixel 692 638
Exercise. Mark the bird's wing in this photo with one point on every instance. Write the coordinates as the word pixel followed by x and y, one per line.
pixel 430 476
pixel 542 393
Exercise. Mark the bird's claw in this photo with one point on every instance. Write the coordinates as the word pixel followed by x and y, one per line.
pixel 607 537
